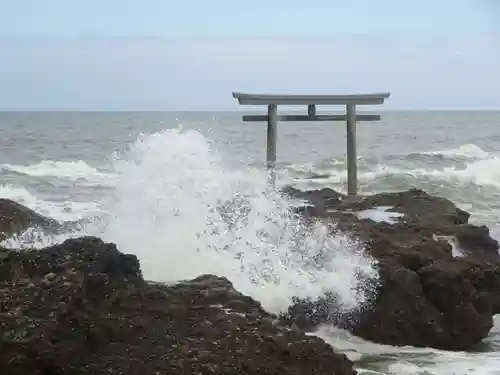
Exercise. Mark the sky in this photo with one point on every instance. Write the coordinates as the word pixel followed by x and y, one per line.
pixel 191 54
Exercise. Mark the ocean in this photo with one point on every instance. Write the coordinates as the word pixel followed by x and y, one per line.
pixel 148 181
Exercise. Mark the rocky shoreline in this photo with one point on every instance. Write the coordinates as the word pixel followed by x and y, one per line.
pixel 83 307
pixel 439 275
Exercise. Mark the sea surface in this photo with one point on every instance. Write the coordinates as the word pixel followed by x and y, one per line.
pixel 150 182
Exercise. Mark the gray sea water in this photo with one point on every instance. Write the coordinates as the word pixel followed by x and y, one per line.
pixel 156 175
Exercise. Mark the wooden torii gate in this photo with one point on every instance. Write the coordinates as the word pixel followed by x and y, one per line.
pixel 272 118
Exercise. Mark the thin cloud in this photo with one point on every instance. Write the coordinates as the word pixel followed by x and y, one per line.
pixel 421 71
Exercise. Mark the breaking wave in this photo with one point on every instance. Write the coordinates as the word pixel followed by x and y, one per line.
pixel 184 213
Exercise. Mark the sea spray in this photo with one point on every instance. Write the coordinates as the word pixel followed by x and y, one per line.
pixel 184 213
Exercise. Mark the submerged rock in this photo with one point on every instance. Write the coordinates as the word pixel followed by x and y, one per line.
pixel 82 307
pixel 427 294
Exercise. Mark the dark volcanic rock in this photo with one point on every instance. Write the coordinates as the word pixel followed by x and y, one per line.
pixel 474 240
pixel 427 296
pixel 436 306
pixel 16 218
pixel 82 307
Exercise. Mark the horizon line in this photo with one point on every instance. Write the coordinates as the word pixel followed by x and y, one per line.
pixel 252 109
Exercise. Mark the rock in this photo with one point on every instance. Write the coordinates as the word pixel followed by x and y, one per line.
pixel 436 306
pixel 99 316
pixel 474 240
pixel 16 218
pixel 50 276
pixel 426 295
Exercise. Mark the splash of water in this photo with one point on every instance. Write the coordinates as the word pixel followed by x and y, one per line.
pixel 184 213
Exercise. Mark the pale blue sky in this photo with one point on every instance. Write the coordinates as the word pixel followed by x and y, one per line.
pixel 191 54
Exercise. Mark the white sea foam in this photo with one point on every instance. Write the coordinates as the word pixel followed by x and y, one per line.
pixel 36 238
pixel 466 151
pixel 407 360
pixel 481 173
pixel 456 251
pixel 70 170
pixel 335 168
pixel 380 214
pixel 62 211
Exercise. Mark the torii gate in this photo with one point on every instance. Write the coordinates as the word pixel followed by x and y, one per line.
pixel 272 118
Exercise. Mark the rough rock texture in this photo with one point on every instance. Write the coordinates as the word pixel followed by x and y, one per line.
pixel 82 307
pixel 427 296
pixel 16 218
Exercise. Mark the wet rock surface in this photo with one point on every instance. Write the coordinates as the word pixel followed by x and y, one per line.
pixel 429 293
pixel 82 307
pixel 16 218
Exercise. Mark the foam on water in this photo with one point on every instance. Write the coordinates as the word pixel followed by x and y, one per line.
pixel 466 151
pixel 475 167
pixel 62 211
pixel 483 172
pixel 385 359
pixel 71 170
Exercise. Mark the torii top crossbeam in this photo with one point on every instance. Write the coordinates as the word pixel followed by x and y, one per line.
pixel 272 118
pixel 266 99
